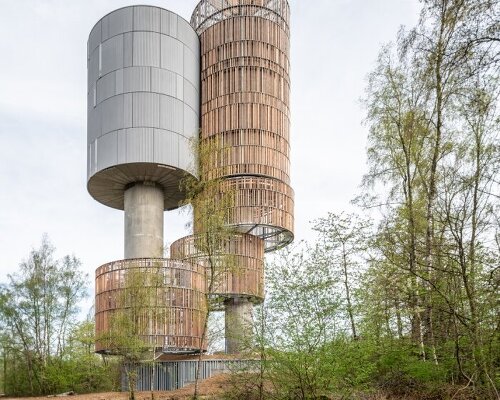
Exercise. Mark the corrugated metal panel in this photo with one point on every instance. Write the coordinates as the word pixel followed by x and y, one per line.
pixel 94 38
pixel 119 81
pixel 107 151
pixel 180 87
pixel 146 19
pixel 137 79
pixel 93 72
pixel 186 157
pixel 172 25
pixel 105 28
pixel 172 55
pixel 127 49
pixel 121 145
pixel 112 110
pixel 112 54
pixel 139 88
pixel 165 21
pixel 127 110
pixel 172 375
pixel 140 143
pixel 146 49
pixel 94 124
pixel 191 96
pixel 191 66
pixel 91 164
pixel 163 81
pixel 94 156
pixel 190 122
pixel 89 157
pixel 166 147
pixel 188 36
pixel 146 109
pixel 106 87
pixel 120 21
pixel 90 103
pixel 171 116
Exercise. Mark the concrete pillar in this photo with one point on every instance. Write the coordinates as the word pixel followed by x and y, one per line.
pixel 144 221
pixel 239 324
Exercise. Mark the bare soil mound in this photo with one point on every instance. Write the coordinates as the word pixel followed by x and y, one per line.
pixel 209 388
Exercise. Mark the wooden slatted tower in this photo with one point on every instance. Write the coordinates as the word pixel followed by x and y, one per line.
pixel 153 79
pixel 245 111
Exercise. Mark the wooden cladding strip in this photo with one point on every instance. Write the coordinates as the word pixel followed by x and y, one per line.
pixel 210 12
pixel 248 49
pixel 249 63
pixel 245 94
pixel 171 310
pixel 245 97
pixel 248 137
pixel 245 116
pixel 241 28
pixel 247 160
pixel 257 201
pixel 238 244
pixel 247 80
pixel 238 264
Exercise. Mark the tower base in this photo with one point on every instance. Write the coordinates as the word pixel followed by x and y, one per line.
pixel 239 325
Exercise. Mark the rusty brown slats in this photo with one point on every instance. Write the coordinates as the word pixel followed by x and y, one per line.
pixel 210 12
pixel 245 93
pixel 174 319
pixel 238 264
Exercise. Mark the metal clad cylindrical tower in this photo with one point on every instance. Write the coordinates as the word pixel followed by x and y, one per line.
pixel 143 103
pixel 245 97
pixel 143 112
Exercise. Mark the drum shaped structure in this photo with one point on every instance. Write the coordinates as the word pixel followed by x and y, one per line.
pixel 155 84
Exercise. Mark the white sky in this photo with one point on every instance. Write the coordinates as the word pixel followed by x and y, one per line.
pixel 43 119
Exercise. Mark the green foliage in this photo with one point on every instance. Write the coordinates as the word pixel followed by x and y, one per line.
pixel 352 364
pixel 301 313
pixel 76 370
pixel 129 335
pixel 211 199
pixel 43 349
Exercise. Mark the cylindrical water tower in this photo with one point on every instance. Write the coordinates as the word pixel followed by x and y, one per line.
pixel 143 112
pixel 239 266
pixel 245 88
pixel 245 95
pixel 144 90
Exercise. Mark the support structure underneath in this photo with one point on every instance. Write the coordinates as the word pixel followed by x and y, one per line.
pixel 144 206
pixel 238 324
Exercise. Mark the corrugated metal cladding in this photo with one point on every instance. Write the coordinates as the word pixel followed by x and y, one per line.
pixel 143 93
pixel 172 375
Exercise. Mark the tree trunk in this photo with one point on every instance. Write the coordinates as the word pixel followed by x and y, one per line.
pixel 348 293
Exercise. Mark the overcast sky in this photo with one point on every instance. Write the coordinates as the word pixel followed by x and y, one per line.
pixel 43 87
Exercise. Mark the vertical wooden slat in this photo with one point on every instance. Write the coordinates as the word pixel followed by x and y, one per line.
pixel 239 269
pixel 181 298
pixel 245 87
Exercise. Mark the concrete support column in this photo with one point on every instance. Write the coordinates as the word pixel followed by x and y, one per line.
pixel 144 221
pixel 239 324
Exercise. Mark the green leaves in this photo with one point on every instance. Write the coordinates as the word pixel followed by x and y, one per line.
pixel 38 308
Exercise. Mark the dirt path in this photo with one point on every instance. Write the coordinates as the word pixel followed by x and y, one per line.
pixel 210 387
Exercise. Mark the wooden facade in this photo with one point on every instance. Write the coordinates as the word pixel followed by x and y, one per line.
pixel 165 298
pixel 238 265
pixel 210 12
pixel 245 120
pixel 245 109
